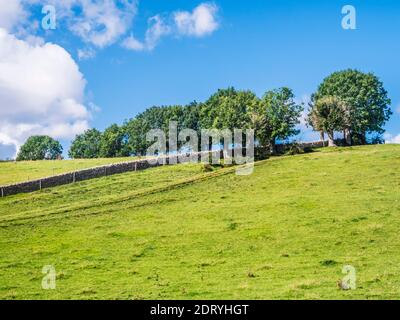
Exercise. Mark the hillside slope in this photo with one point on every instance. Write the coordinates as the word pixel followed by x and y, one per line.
pixel 178 232
pixel 13 172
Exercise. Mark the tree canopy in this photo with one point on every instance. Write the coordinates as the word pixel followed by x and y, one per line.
pixel 364 94
pixel 86 145
pixel 113 143
pixel 40 148
pixel 329 114
pixel 158 118
pixel 276 117
pixel 228 109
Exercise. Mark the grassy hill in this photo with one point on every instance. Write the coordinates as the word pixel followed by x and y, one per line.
pixel 12 172
pixel 179 232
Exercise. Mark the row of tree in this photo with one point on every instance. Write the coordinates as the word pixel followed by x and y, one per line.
pixel 349 101
pixel 274 117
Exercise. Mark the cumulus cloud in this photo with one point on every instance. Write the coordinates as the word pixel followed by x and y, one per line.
pixel 41 87
pixel 200 22
pixel 96 22
pixel 11 13
pixel 102 22
pixel 41 91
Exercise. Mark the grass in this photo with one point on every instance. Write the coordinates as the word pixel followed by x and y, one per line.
pixel 12 172
pixel 284 232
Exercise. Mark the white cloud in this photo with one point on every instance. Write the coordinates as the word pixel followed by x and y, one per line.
pixel 391 139
pixel 96 22
pixel 100 23
pixel 41 87
pixel 398 109
pixel 11 13
pixel 131 43
pixel 41 91
pixel 156 30
pixel 200 22
pixel 85 54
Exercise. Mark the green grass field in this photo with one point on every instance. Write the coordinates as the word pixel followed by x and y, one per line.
pixel 284 232
pixel 12 172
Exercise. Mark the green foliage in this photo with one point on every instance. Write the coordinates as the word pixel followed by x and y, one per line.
pixel 293 149
pixel 228 109
pixel 40 148
pixel 329 114
pixel 113 143
pixel 187 117
pixel 191 116
pixel 86 145
pixel 276 117
pixel 366 97
pixel 135 130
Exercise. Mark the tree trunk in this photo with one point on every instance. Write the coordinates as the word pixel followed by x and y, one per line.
pixel 273 146
pixel 363 138
pixel 331 138
pixel 347 136
pixel 322 135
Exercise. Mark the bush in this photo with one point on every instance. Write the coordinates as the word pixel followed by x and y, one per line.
pixel 294 149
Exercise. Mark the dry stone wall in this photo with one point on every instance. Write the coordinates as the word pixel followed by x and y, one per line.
pixel 97 172
pixel 102 171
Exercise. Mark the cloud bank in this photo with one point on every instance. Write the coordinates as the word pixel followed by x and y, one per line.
pixel 11 13
pixel 41 92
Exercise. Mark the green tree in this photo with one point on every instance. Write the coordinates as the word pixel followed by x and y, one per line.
pixel 276 117
pixel 86 145
pixel 135 130
pixel 159 118
pixel 228 109
pixel 40 148
pixel 191 116
pixel 329 114
pixel 113 143
pixel 367 99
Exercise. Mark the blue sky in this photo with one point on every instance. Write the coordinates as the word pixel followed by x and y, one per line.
pixel 257 45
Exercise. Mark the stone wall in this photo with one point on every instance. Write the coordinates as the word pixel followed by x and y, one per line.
pixel 97 172
pixel 102 171
pixel 282 148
